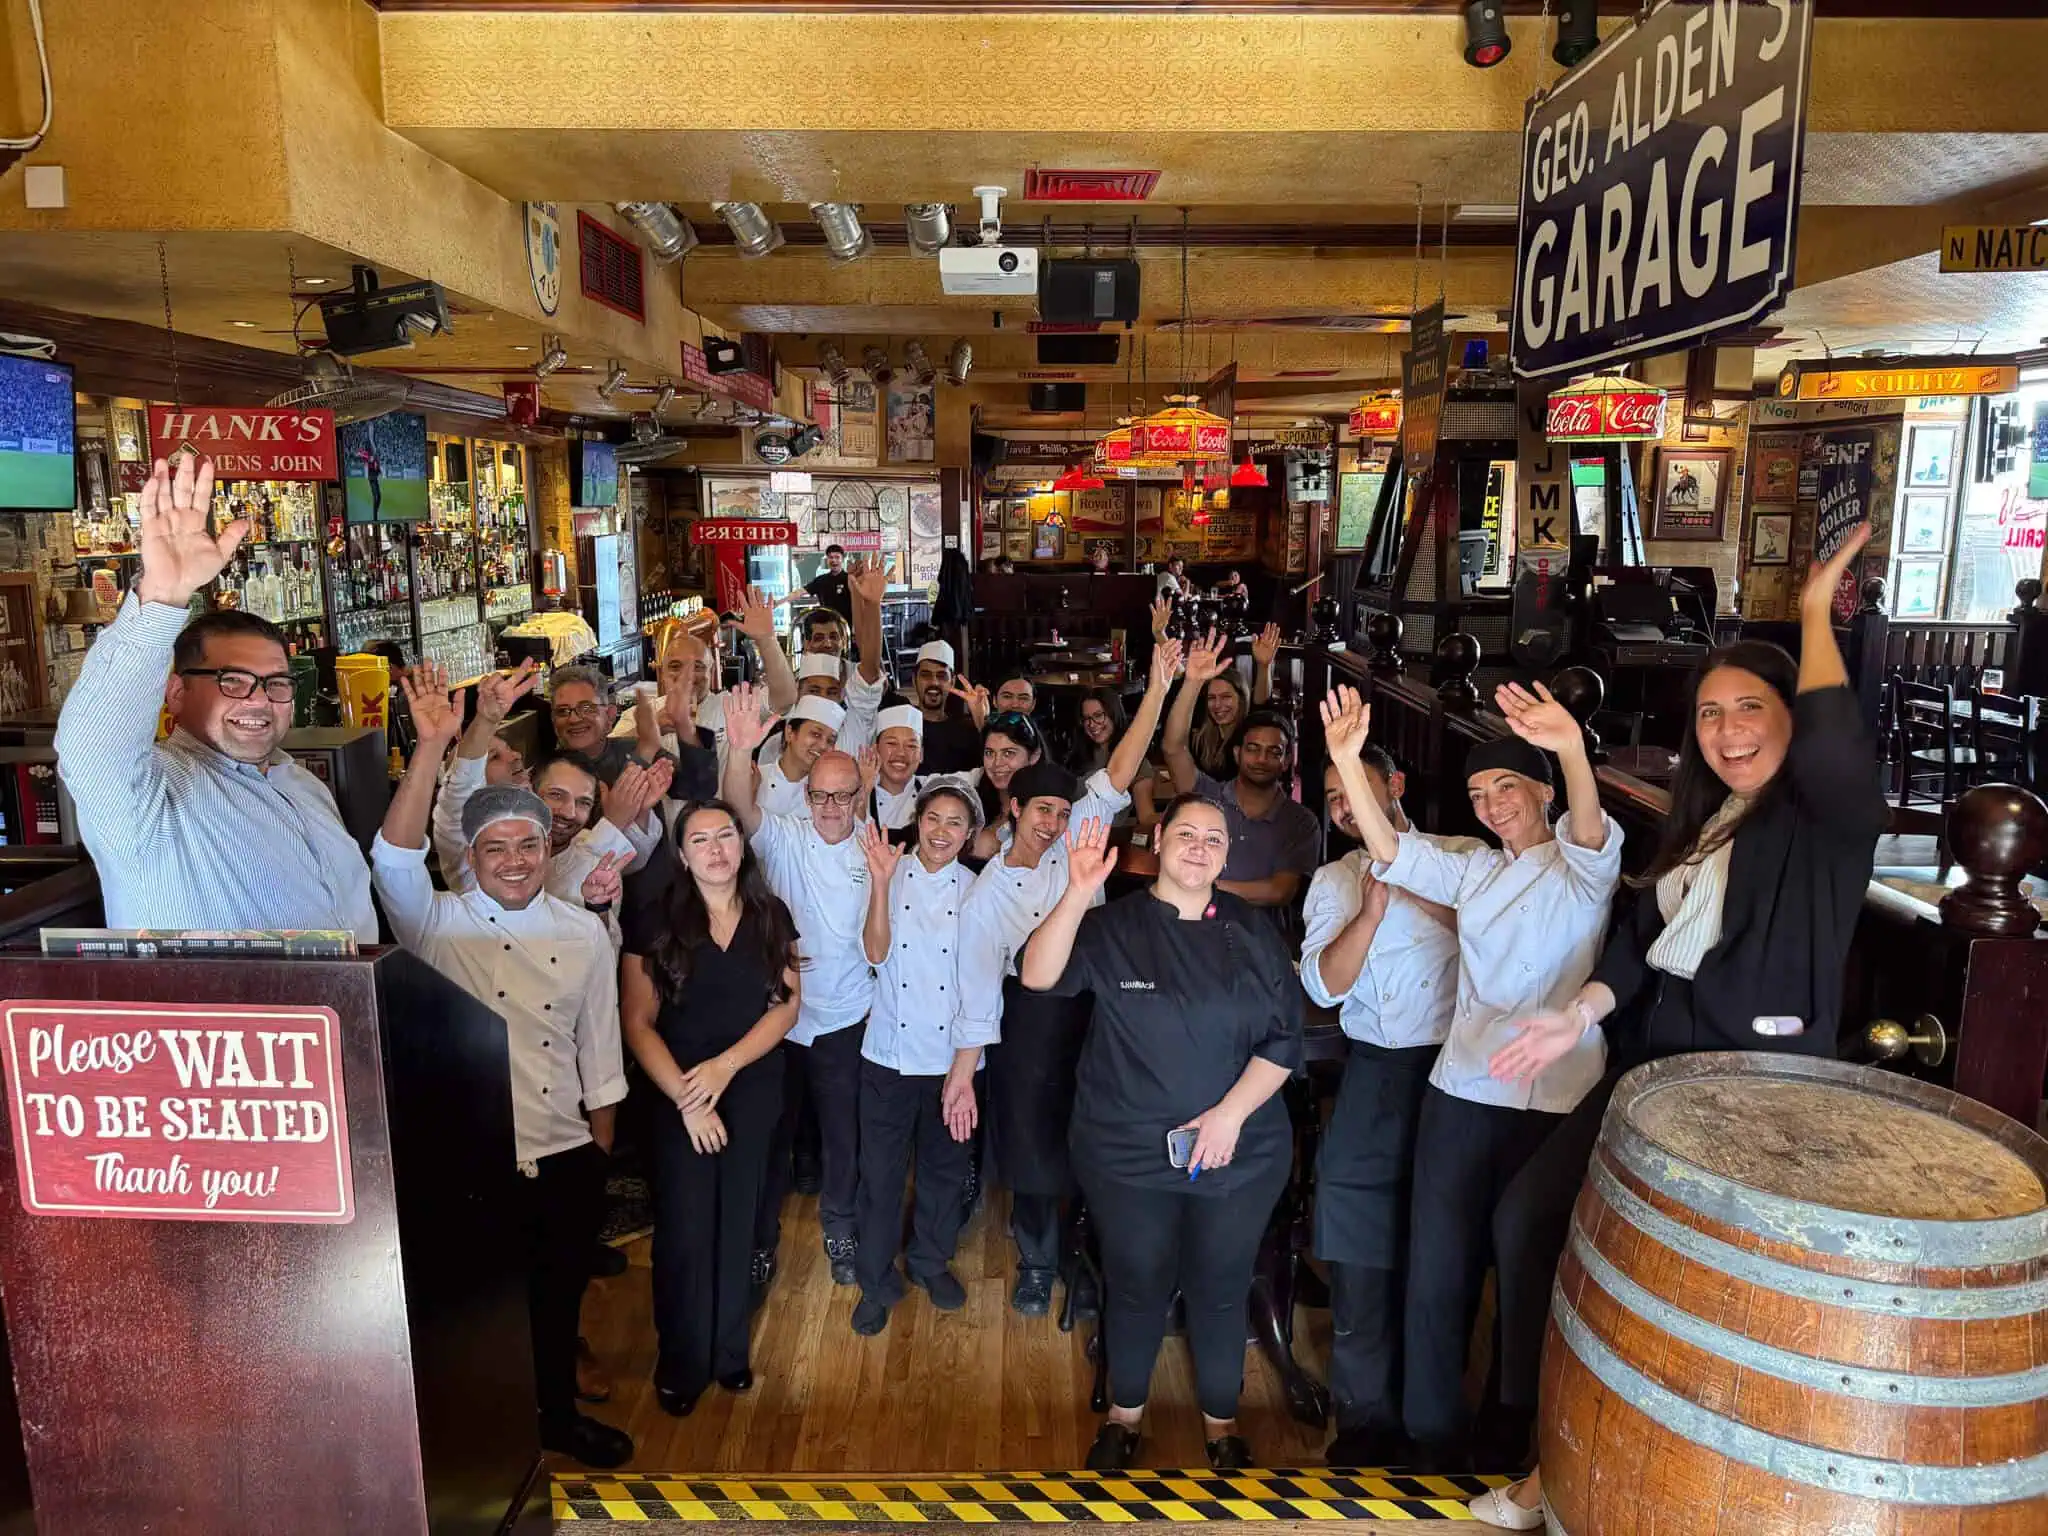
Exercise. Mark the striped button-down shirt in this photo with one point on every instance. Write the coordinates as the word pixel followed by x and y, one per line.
pixel 187 837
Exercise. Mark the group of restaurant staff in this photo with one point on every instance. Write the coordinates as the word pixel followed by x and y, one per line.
pixel 821 914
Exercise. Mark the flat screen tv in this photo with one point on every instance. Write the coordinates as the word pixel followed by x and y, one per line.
pixel 384 468
pixel 594 473
pixel 37 442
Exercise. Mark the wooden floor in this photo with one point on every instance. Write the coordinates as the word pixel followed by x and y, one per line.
pixel 982 1389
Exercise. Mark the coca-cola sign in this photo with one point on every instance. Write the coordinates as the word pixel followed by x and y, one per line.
pixel 1603 412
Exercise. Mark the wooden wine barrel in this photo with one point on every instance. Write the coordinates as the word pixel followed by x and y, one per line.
pixel 1800 1296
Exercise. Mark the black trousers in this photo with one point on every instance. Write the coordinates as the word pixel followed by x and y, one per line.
pixel 1465 1156
pixel 1158 1240
pixel 822 1081
pixel 1530 1227
pixel 704 1211
pixel 901 1122
pixel 1035 1225
pixel 564 1214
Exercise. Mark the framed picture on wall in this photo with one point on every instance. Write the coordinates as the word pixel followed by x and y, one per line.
pixel 1692 488
pixel 1931 457
pixel 1923 526
pixel 1919 587
pixel 1777 469
pixel 1770 538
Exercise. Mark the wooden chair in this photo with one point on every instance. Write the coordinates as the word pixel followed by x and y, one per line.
pixel 1998 734
pixel 1925 738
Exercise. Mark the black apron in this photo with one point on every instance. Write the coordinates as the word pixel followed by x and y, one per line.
pixel 1031 1088
pixel 1368 1156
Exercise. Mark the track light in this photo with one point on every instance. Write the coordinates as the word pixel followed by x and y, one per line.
pixel 667 233
pixel 833 363
pixel 928 227
pixel 845 239
pixel 916 360
pixel 753 232
pixel 1578 31
pixel 552 357
pixel 614 378
pixel 875 363
pixel 1486 34
pixel 664 395
pixel 958 361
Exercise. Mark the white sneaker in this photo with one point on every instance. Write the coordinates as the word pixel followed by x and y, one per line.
pixel 1496 1509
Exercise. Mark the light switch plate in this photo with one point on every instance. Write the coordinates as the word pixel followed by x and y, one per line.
pixel 44 186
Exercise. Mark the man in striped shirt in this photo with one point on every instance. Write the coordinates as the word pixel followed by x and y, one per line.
pixel 215 827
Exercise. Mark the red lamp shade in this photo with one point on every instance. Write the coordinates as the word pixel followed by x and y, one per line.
pixel 1247 474
pixel 1608 409
pixel 1076 478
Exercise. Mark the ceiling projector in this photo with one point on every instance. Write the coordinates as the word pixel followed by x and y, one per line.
pixel 987 270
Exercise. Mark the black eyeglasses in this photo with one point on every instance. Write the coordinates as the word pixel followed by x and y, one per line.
pixel 838 797
pixel 234 683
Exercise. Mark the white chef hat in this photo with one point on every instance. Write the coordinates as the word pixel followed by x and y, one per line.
pixel 823 710
pixel 937 650
pixel 906 716
pixel 815 664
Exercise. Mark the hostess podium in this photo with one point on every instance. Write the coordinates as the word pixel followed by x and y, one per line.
pixel 296 1372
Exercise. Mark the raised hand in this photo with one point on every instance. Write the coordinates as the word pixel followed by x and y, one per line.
pixel 867 582
pixel 1266 646
pixel 744 728
pixel 436 716
pixel 870 770
pixel 1346 719
pixel 882 856
pixel 602 885
pixel 1823 580
pixel 646 727
pixel 1089 856
pixel 974 696
pixel 626 799
pixel 1205 658
pixel 1162 615
pixel 497 692
pixel 1539 719
pixel 179 554
pixel 679 713
pixel 756 619
pixel 1165 664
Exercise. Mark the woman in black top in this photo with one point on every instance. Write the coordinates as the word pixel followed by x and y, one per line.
pixel 1197 1023
pixel 1734 939
pixel 708 988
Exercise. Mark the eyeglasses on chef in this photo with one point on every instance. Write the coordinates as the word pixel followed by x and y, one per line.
pixel 234 683
pixel 838 797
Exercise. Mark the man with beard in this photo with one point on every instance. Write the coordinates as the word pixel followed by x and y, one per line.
pixel 1387 961
pixel 952 737
pixel 546 967
pixel 1274 840
pixel 814 864
pixel 216 827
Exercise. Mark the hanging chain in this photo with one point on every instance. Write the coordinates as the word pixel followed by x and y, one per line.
pixel 1415 292
pixel 1184 301
pixel 1536 54
pixel 1443 261
pixel 163 272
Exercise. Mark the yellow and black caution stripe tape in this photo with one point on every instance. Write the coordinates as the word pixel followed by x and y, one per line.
pixel 1032 1498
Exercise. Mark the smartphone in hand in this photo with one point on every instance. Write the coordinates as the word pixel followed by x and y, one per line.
pixel 1180 1147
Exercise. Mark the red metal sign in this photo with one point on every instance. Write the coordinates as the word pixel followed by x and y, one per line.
pixel 747 388
pixel 178 1112
pixel 522 402
pixel 1604 415
pixel 861 541
pixel 1376 418
pixel 740 530
pixel 250 442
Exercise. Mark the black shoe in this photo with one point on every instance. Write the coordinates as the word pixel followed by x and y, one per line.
pixel 741 1380
pixel 761 1274
pixel 586 1440
pixel 807 1176
pixel 1032 1295
pixel 1228 1452
pixel 1441 1458
pixel 607 1262
pixel 840 1253
pixel 1115 1447
pixel 676 1402
pixel 870 1316
pixel 1375 1448
pixel 947 1293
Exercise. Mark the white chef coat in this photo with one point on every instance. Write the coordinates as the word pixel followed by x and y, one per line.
pixel 1529 932
pixel 1404 992
pixel 825 887
pixel 893 810
pixel 547 970
pixel 917 1025
pixel 863 702
pixel 777 794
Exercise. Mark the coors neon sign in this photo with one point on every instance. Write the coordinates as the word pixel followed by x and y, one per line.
pixel 1605 411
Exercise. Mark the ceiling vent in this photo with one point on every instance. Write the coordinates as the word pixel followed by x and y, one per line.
pixel 1088 186
pixel 610 268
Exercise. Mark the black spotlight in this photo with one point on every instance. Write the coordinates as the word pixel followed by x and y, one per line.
pixel 1486 34
pixel 1578 31
pixel 723 356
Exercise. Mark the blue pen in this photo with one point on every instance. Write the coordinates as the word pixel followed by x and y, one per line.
pixel 1194 1172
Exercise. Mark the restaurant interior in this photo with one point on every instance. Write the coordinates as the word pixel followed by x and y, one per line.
pixel 622 307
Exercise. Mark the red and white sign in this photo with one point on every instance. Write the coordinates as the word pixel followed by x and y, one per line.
pixel 1181 440
pixel 1604 415
pixel 1376 416
pixel 250 442
pixel 178 1112
pixel 747 388
pixel 740 530
pixel 860 541
pixel 522 402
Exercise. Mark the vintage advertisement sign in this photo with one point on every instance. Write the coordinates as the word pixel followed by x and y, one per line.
pixel 1896 381
pixel 733 530
pixel 249 442
pixel 1422 390
pixel 1994 248
pixel 1846 460
pixel 178 1112
pixel 1543 516
pixel 1660 185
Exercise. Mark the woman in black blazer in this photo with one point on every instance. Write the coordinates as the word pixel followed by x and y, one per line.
pixel 1734 939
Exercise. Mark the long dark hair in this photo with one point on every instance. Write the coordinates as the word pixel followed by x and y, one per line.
pixel 1011 726
pixel 1696 790
pixel 1087 756
pixel 674 950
